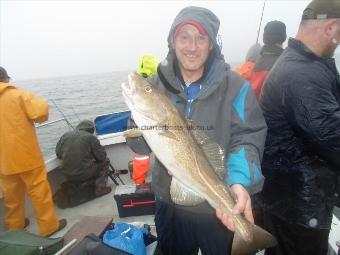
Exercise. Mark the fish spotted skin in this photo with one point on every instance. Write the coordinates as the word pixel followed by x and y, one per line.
pixel 166 132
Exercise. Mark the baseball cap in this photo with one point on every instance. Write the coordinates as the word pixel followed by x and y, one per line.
pixel 322 9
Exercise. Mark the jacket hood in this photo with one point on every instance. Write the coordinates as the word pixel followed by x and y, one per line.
pixel 210 81
pixel 86 125
pixel 205 17
pixel 4 86
pixel 271 50
pixel 254 52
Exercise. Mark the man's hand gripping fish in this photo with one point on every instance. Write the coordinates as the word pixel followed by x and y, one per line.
pixel 194 175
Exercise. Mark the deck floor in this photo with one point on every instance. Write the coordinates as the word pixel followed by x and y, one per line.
pixel 102 206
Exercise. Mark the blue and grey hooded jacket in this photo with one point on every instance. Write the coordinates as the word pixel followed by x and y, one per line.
pixel 223 103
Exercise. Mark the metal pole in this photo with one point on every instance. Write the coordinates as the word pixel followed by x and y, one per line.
pixel 258 31
pixel 66 247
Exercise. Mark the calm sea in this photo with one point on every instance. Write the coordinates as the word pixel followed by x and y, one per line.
pixel 77 98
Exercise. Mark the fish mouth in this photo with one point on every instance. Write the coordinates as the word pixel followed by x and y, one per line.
pixel 134 102
pixel 128 90
pixel 127 93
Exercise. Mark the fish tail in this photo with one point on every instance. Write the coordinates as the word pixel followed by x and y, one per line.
pixel 261 239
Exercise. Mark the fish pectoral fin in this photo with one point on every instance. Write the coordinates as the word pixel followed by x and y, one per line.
pixel 213 151
pixel 182 195
pixel 261 240
pixel 135 132
pixel 169 134
pixel 165 130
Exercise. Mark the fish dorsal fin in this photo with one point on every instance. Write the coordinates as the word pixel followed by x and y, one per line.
pixel 213 152
pixel 182 195
pixel 132 133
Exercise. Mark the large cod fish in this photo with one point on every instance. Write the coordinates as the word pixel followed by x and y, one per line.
pixel 181 150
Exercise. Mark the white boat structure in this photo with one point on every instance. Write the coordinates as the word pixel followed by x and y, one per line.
pixel 119 154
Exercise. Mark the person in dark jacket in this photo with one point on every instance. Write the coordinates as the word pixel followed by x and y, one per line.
pixel 300 102
pixel 274 35
pixel 196 78
pixel 83 158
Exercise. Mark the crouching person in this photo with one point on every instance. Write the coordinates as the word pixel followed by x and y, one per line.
pixel 84 163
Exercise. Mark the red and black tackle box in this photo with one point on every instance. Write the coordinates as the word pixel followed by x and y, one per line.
pixel 135 200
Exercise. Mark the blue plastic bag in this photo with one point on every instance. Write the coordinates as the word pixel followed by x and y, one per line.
pixel 127 238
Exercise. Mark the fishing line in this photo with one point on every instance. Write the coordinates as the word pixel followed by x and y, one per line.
pixel 67 121
pixel 75 113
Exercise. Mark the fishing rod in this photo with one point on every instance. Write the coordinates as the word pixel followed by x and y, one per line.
pixel 57 120
pixel 258 31
pixel 67 121
pixel 49 123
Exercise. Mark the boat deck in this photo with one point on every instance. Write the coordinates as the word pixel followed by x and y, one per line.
pixel 102 206
pixel 119 155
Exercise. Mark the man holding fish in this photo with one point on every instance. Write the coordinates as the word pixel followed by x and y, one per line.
pixel 214 160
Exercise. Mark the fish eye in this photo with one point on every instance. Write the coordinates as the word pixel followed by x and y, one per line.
pixel 148 89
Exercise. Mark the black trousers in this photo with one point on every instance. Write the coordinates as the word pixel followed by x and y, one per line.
pixel 294 239
pixel 182 232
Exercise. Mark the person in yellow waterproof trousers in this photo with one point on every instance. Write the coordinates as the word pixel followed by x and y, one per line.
pixel 22 166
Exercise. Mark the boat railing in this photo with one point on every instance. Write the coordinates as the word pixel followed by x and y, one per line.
pixel 107 136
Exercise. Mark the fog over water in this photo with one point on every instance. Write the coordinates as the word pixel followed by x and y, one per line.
pixel 43 39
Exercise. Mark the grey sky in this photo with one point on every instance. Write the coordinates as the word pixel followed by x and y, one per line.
pixel 59 38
